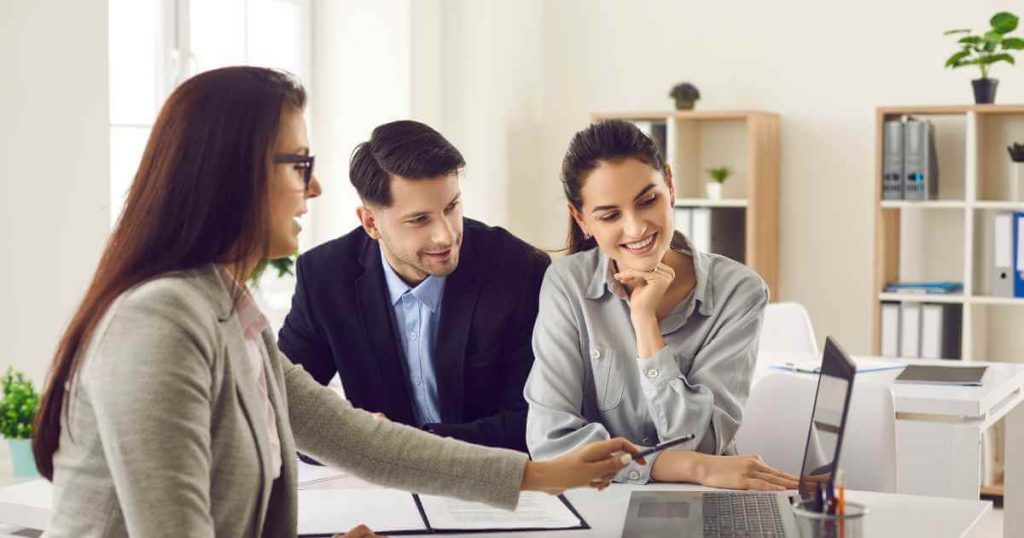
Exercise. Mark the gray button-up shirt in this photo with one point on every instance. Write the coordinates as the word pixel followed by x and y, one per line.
pixel 587 383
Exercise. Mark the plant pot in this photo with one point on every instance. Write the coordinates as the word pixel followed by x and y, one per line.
pixel 985 90
pixel 1016 190
pixel 22 461
pixel 714 191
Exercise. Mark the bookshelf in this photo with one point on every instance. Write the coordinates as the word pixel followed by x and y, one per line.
pixel 950 238
pixel 747 141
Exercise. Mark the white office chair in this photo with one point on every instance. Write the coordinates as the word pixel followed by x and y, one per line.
pixel 787 329
pixel 777 418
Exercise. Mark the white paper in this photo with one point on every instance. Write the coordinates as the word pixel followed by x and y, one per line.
pixel 329 511
pixel 27 504
pixel 535 511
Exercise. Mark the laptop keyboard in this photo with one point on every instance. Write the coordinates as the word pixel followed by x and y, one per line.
pixel 741 515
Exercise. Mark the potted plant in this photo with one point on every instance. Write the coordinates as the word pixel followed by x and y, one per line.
pixel 685 95
pixel 1016 151
pixel 985 50
pixel 718 176
pixel 17 410
pixel 283 266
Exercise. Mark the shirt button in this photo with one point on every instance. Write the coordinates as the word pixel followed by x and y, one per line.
pixel 647 441
pixel 412 336
pixel 418 382
pixel 652 373
pixel 595 353
pixel 634 475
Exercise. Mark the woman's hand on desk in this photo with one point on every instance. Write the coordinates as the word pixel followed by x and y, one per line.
pixel 594 465
pixel 729 472
pixel 361 531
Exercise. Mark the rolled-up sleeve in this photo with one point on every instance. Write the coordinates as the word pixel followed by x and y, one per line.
pixel 708 400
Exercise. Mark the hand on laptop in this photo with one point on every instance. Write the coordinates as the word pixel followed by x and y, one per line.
pixel 743 472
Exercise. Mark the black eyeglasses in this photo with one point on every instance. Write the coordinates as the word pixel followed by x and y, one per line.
pixel 301 162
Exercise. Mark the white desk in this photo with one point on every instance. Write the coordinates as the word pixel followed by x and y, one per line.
pixel 939 429
pixel 889 515
pixel 902 516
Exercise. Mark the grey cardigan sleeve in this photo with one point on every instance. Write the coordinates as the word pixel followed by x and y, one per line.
pixel 145 359
pixel 393 454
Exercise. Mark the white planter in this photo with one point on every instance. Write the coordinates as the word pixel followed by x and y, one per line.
pixel 714 190
pixel 1017 182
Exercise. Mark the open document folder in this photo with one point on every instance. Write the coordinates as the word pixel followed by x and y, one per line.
pixel 324 512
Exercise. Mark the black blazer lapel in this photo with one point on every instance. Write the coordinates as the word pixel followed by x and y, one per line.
pixel 373 304
pixel 461 293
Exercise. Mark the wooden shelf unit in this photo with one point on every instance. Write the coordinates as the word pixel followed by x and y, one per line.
pixel 748 142
pixel 951 234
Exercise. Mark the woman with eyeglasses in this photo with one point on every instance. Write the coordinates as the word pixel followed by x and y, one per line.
pixel 168 410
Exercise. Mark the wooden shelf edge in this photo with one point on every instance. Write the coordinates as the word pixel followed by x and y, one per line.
pixel 995 490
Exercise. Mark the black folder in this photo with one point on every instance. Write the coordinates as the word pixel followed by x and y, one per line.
pixel 942 375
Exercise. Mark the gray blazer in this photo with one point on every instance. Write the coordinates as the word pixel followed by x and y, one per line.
pixel 164 434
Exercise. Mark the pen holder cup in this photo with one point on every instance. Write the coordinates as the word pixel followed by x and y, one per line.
pixel 813 524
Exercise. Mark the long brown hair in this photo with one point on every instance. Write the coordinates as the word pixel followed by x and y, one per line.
pixel 606 141
pixel 199 196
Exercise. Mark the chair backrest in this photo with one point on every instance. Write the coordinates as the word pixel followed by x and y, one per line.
pixel 787 329
pixel 777 418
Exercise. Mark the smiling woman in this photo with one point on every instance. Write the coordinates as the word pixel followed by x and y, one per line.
pixel 639 334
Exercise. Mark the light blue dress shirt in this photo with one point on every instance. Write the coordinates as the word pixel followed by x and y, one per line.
pixel 417 315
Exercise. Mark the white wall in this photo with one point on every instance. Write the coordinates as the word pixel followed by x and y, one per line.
pixel 823 66
pixel 374 61
pixel 54 169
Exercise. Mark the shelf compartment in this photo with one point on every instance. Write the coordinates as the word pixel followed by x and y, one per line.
pixel 921 298
pixel 995 169
pixel 705 202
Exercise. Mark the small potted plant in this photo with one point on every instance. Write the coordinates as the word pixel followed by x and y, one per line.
pixel 283 266
pixel 718 176
pixel 985 50
pixel 685 95
pixel 1016 151
pixel 17 410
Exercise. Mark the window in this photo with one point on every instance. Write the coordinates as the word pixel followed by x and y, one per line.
pixel 156 44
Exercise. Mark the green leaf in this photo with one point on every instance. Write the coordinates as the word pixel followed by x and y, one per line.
pixel 970 40
pixel 1013 43
pixel 993 58
pixel 993 37
pixel 954 61
pixel 957 31
pixel 1004 22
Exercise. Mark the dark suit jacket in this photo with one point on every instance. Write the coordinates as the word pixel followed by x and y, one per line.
pixel 341 321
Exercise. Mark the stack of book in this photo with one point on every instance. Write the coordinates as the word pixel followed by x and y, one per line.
pixel 933 288
pixel 910 169
pixel 921 330
pixel 1006 268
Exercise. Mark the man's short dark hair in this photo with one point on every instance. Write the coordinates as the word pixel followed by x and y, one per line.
pixel 404 148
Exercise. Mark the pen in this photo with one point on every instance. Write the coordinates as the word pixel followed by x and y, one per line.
pixel 841 505
pixel 667 444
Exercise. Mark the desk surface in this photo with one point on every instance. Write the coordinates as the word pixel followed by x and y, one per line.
pixel 903 516
pixel 1002 381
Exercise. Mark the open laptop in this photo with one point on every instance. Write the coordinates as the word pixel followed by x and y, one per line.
pixel 756 514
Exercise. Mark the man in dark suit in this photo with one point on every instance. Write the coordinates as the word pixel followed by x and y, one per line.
pixel 426 316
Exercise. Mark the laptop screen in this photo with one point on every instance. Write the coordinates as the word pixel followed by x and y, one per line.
pixel 828 420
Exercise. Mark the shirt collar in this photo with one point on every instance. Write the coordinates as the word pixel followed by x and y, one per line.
pixel 428 292
pixel 250 317
pixel 602 280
